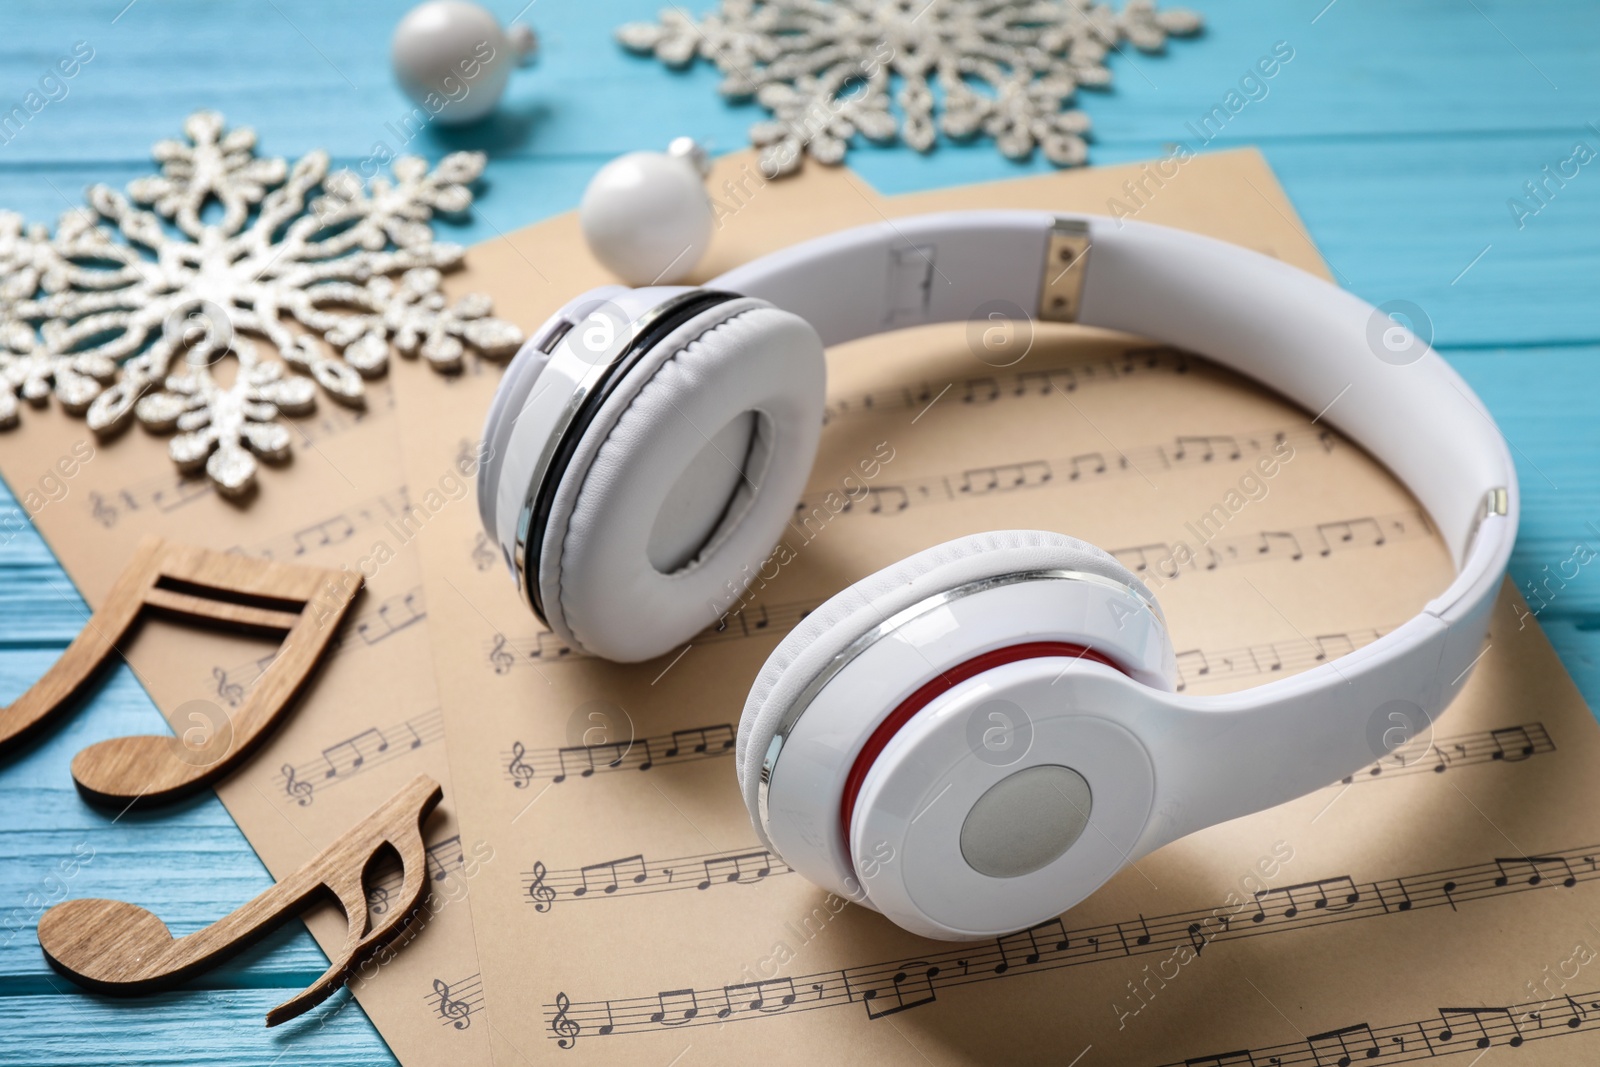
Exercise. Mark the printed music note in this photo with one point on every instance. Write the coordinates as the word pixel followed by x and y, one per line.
pixel 541 894
pixel 1055 941
pixel 300 792
pixel 1355 532
pixel 609 872
pixel 1092 462
pixel 483 556
pixel 1532 870
pixel 378 900
pixel 980 391
pixel 718 870
pixel 231 692
pixel 456 1012
pixel 1206 448
pixel 1344 895
pixel 618 749
pixel 910 988
pixel 1141 558
pixel 1359 1036
pixel 738 997
pixel 521 772
pixel 1511 743
pixel 703 738
pixel 562 1025
pixel 1242 1058
pixel 980 480
pixel 1476 1015
pixel 499 657
pixel 1280 543
pixel 1191 664
pixel 678 1006
pixel 887 497
pixel 1332 646
pixel 355 750
pixel 328 532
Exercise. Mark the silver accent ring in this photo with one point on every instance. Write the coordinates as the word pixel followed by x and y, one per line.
pixel 769 759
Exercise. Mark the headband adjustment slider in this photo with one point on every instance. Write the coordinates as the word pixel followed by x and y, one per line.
pixel 1061 294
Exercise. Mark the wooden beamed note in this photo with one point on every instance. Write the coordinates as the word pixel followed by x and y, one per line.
pixel 301 604
pixel 113 947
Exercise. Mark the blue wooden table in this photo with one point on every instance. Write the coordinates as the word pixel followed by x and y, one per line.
pixel 1401 131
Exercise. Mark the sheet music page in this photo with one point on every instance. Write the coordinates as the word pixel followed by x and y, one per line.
pixel 369 720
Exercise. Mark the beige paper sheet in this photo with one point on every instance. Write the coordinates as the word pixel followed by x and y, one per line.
pixel 634 918
pixel 368 723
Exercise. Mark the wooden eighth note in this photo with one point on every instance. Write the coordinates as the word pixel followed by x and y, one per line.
pixel 113 947
pixel 303 604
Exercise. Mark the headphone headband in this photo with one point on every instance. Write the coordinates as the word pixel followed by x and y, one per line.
pixel 1299 335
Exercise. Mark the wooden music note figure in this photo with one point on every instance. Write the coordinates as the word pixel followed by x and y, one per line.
pixel 303 604
pixel 113 947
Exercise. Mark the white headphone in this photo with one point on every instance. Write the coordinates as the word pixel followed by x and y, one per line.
pixel 645 451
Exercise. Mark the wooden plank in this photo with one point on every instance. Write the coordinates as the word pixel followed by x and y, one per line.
pixel 213 1028
pixel 1400 132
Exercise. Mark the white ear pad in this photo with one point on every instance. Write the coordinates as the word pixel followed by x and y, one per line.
pixel 810 647
pixel 694 461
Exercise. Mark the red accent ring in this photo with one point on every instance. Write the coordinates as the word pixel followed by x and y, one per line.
pixel 925 695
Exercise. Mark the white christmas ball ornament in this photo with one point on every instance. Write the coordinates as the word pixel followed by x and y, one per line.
pixel 453 58
pixel 646 215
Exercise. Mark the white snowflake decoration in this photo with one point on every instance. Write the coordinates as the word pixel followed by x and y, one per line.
pixel 356 269
pixel 823 69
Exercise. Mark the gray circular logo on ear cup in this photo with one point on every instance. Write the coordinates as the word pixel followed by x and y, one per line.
pixel 999 732
pixel 1399 332
pixel 1400 730
pixel 204 733
pixel 1023 822
pixel 1000 333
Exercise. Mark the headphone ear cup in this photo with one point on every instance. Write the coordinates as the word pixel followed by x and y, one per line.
pixel 808 649
pixel 683 482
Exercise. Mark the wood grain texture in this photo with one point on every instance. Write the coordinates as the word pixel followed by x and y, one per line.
pixel 301 605
pixel 116 947
pixel 1399 130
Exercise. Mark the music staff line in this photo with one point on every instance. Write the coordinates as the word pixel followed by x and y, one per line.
pixel 885 989
pixel 442 857
pixel 638 875
pixel 635 876
pixel 167 493
pixel 380 510
pixel 1066 377
pixel 299 783
pixel 372 627
pixel 1293 545
pixel 1181 453
pixel 521 765
pixel 1453 1031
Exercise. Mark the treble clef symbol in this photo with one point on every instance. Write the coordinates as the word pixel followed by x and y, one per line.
pixel 542 894
pixel 230 691
pixel 521 773
pixel 565 1029
pixel 293 787
pixel 501 660
pixel 457 1013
